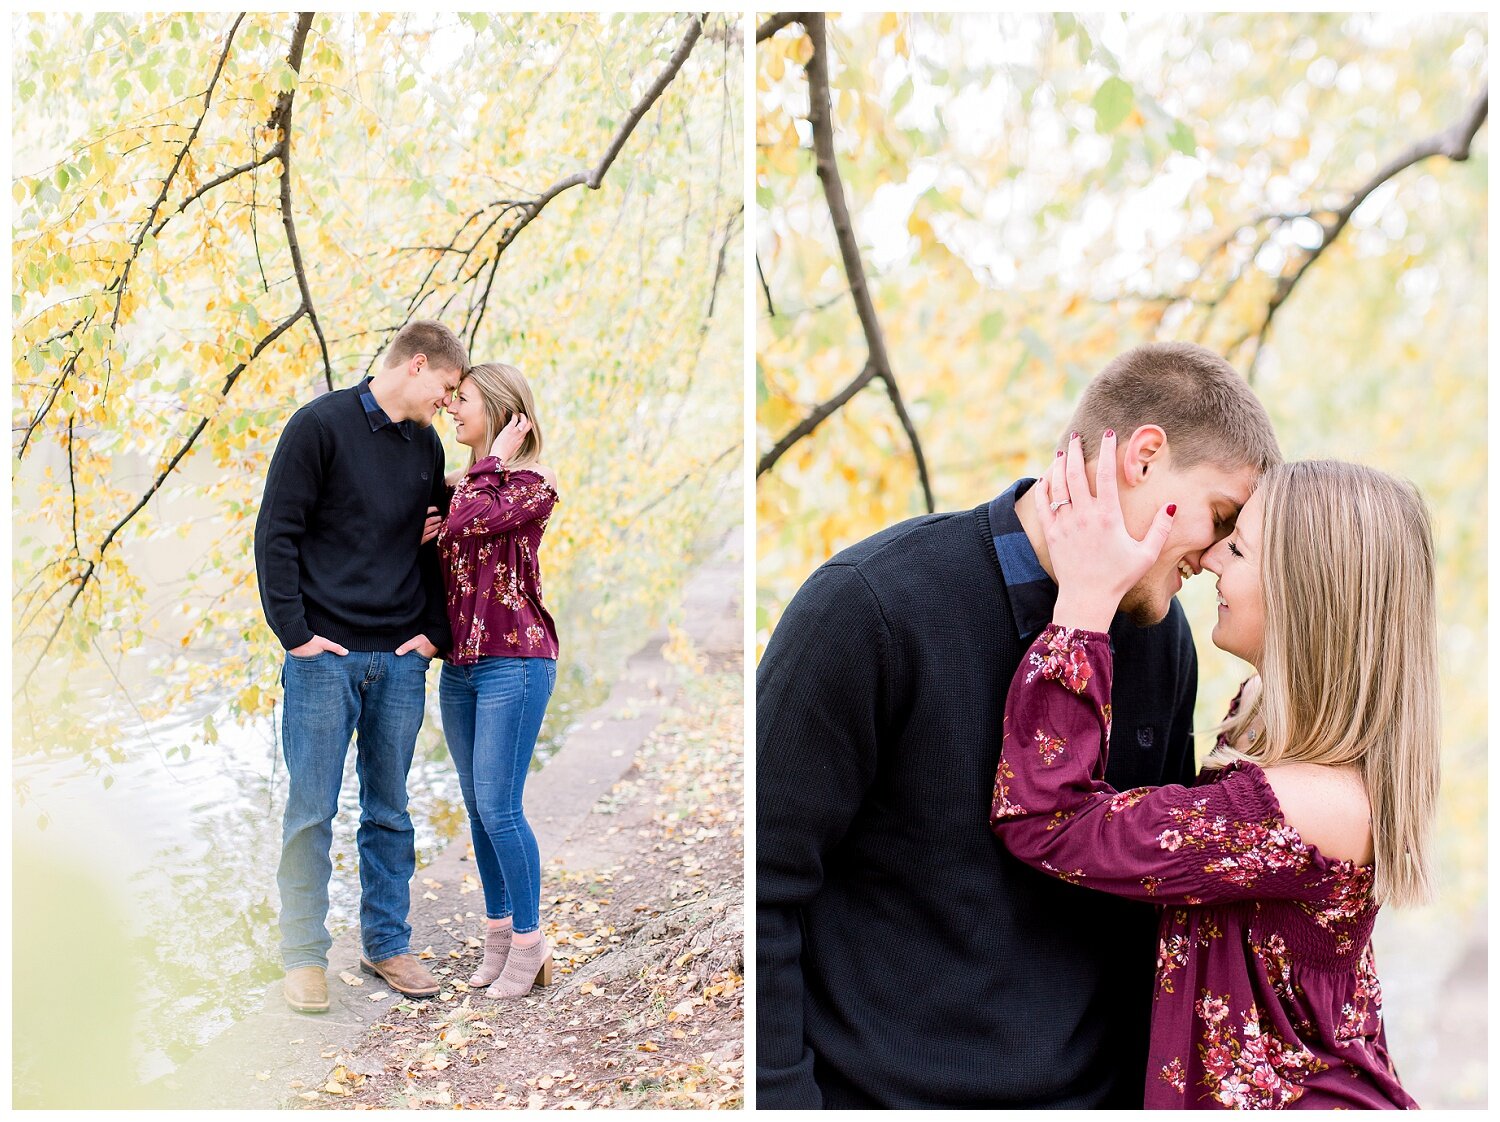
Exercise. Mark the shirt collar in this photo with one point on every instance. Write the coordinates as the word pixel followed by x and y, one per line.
pixel 1032 592
pixel 377 416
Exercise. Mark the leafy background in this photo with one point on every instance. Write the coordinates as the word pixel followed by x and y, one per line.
pixel 1033 194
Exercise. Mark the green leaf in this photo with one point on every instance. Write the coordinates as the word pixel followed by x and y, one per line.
pixel 1066 23
pixel 407 83
pixel 176 29
pixel 122 88
pixel 150 79
pixel 479 20
pixel 28 87
pixel 990 326
pixel 1085 44
pixel 61 178
pixel 286 79
pixel 1113 102
pixel 1181 138
pixel 903 95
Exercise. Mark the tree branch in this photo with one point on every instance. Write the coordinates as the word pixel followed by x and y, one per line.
pixel 820 116
pixel 281 119
pixel 1453 142
pixel 699 470
pixel 270 155
pixel 526 210
pixel 594 177
pixel 121 281
pixel 775 24
pixel 815 418
pixel 91 569
pixel 764 287
pixel 713 294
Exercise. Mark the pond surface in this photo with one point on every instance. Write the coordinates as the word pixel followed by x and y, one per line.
pixel 186 850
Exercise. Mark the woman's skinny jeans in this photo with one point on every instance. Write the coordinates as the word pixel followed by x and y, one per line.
pixel 492 712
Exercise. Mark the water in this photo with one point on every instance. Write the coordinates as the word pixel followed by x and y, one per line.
pixel 182 852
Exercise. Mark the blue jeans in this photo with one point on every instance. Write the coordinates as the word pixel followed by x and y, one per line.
pixel 329 697
pixel 492 712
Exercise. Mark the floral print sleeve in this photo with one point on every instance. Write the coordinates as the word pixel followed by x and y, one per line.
pixel 490 500
pixel 1225 840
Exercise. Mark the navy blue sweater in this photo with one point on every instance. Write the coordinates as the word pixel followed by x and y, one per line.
pixel 338 548
pixel 904 958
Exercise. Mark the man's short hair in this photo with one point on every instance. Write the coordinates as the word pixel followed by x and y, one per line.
pixel 1207 410
pixel 428 337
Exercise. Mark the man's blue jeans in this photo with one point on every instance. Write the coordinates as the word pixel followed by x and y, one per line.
pixel 329 698
pixel 492 712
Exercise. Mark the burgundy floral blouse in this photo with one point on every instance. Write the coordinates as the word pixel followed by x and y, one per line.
pixel 488 544
pixel 1266 994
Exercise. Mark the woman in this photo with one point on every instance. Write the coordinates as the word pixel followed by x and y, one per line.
pixel 1313 809
pixel 499 675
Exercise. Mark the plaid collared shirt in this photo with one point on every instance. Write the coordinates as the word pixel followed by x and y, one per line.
pixel 377 416
pixel 1032 593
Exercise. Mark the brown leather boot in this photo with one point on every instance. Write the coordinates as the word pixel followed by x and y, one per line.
pixel 403 973
pixel 306 989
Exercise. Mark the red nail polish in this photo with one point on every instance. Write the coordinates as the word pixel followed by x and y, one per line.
pixel 1171 509
pixel 1059 452
pixel 1073 437
pixel 1109 432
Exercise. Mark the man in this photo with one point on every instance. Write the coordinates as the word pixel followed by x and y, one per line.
pixel 357 601
pixel 905 959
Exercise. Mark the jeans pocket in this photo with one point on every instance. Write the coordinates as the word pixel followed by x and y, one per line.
pixel 306 658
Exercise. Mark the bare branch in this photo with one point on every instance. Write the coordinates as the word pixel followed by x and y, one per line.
pixel 815 418
pixel 699 470
pixel 270 155
pixel 764 287
pixel 713 294
pixel 89 572
pixel 774 24
pixel 821 118
pixel 281 119
pixel 1453 143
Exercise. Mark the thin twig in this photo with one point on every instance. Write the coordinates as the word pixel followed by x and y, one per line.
pixel 764 287
pixel 816 418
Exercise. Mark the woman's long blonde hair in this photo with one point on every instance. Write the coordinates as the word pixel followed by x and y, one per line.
pixel 1349 661
pixel 505 392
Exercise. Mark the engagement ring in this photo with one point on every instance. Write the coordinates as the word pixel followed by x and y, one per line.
pixel 1058 505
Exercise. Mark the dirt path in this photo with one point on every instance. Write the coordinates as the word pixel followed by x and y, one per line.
pixel 639 820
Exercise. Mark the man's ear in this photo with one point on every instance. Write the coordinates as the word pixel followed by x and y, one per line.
pixel 415 364
pixel 1146 449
